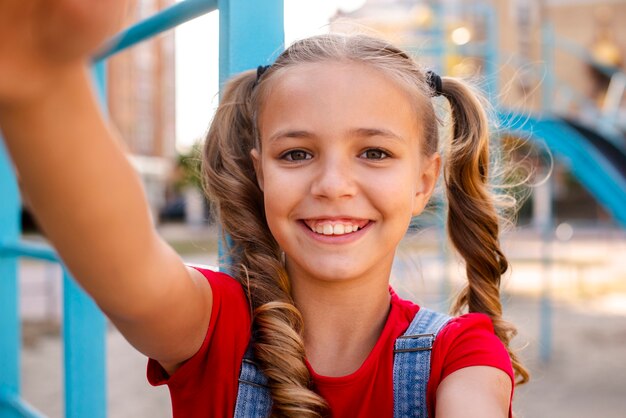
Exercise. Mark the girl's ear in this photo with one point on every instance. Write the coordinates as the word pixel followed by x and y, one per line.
pixel 258 168
pixel 426 182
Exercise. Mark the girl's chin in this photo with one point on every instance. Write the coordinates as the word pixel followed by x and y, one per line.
pixel 328 271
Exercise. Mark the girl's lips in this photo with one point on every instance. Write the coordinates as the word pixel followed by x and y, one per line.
pixel 336 225
pixel 345 238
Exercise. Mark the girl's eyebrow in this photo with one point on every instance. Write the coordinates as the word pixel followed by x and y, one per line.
pixel 290 133
pixel 367 132
pixel 357 132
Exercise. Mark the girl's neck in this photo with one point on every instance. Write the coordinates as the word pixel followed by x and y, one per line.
pixel 342 320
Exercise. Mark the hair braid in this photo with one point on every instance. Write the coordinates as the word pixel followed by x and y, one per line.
pixel 230 181
pixel 473 222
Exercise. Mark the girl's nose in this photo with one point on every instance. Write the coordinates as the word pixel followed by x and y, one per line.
pixel 334 179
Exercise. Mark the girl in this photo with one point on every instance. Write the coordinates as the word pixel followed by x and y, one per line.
pixel 316 166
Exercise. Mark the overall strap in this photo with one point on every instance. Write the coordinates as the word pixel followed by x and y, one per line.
pixel 411 364
pixel 253 396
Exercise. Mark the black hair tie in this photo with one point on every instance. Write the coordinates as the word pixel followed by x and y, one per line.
pixel 260 70
pixel 434 82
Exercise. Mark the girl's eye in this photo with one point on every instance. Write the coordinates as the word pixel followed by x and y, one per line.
pixel 296 155
pixel 374 154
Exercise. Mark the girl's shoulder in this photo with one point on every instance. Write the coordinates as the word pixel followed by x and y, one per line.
pixel 470 340
pixel 466 341
pixel 470 322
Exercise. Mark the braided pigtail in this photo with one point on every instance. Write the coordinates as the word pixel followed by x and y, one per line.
pixel 231 183
pixel 473 222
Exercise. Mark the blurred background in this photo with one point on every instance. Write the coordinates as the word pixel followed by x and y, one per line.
pixel 553 73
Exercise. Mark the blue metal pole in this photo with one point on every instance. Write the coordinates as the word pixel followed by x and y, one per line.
pixel 491 55
pixel 160 22
pixel 439 38
pixel 84 352
pixel 545 325
pixel 547 52
pixel 84 329
pixel 10 330
pixel 251 34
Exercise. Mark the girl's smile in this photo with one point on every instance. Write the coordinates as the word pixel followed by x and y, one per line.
pixel 336 231
pixel 335 226
pixel 341 168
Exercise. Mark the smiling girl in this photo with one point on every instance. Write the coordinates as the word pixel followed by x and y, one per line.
pixel 316 165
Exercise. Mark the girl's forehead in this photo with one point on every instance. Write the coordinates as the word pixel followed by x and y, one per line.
pixel 332 80
pixel 336 96
pixel 331 72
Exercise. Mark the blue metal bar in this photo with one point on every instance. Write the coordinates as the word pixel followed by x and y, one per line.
pixel 84 333
pixel 591 168
pixel 491 54
pixel 439 37
pixel 160 22
pixel 10 331
pixel 547 53
pixel 251 34
pixel 546 310
pixel 12 405
pixel 28 249
pixel 84 353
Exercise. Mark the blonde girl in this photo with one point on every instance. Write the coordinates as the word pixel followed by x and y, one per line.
pixel 316 166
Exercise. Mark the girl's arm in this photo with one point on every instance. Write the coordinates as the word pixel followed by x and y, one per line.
pixel 83 191
pixel 477 391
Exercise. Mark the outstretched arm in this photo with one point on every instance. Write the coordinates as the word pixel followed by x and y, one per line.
pixel 83 191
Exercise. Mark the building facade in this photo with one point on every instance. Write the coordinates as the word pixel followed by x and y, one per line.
pixel 141 100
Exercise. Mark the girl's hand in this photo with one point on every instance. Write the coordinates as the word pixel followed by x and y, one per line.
pixel 40 39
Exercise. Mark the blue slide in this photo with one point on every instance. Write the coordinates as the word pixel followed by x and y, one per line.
pixel 598 164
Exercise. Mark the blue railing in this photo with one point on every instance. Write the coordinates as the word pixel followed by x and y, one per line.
pixel 251 33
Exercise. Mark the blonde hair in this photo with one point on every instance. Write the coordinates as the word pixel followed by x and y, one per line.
pixel 231 183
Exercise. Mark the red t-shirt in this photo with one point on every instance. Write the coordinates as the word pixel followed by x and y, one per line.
pixel 206 385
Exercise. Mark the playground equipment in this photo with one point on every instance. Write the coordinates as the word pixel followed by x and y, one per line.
pixel 593 150
pixel 251 33
pixel 592 143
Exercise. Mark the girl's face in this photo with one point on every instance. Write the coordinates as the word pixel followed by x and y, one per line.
pixel 341 168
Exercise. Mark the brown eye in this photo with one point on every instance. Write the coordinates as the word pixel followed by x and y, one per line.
pixel 297 155
pixel 374 154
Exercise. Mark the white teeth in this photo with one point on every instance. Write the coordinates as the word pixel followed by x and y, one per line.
pixel 336 229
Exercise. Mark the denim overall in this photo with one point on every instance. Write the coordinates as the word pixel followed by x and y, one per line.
pixel 411 369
